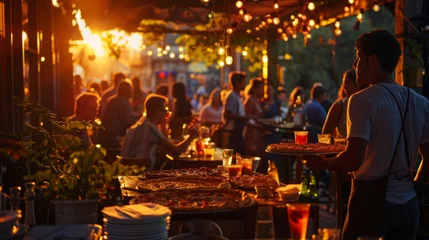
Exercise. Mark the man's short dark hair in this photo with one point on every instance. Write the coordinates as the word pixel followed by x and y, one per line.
pixel 383 45
pixel 317 91
pixel 236 77
pixel 162 89
pixel 83 99
pixel 118 78
pixel 154 102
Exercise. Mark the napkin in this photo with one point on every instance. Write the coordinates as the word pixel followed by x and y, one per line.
pixel 136 211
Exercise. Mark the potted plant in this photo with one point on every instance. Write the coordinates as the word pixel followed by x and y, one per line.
pixel 79 185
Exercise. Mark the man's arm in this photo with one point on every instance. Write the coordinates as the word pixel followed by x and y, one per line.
pixel 350 160
pixel 422 175
pixel 179 148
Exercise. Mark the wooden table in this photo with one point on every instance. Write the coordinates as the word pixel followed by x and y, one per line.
pixel 187 161
pixel 237 224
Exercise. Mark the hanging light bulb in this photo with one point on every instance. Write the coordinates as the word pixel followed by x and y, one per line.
pixel 317 26
pixel 311 23
pixel 167 47
pixel 308 35
pixel 295 22
pixel 180 49
pixel 294 35
pixel 228 60
pixel 159 49
pixel 221 51
pixel 279 30
pixel 248 31
pixel 239 4
pixel 264 58
pixel 149 53
pixel 376 7
pixel 205 1
pixel 292 17
pixel 276 4
pixel 276 21
pixel 263 23
pixel 257 28
pixel 351 1
pixel 172 55
pixel 229 31
pixel 337 24
pixel 241 12
pixel 337 32
pixel 247 17
pixel 164 52
pixel 244 53
pixel 346 9
pixel 221 63
pixel 311 6
pixel 181 56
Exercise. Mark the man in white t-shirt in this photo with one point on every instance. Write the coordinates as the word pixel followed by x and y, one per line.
pixel 142 139
pixel 374 127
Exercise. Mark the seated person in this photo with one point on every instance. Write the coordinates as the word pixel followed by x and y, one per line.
pixel 142 139
pixel 314 110
pixel 85 109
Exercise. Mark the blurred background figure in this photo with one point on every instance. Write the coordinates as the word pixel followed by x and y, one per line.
pixel 212 111
pixel 117 116
pixel 78 87
pixel 104 85
pixel 182 110
pixel 282 99
pixel 108 93
pixel 95 88
pixel 204 99
pixel 138 97
pixel 314 111
pixel 270 105
pixel 295 111
pixel 253 135
pixel 85 109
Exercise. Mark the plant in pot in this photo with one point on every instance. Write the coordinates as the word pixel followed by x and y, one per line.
pixel 77 188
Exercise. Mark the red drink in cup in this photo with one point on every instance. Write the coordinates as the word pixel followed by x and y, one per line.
pixel 301 137
pixel 298 219
pixel 234 170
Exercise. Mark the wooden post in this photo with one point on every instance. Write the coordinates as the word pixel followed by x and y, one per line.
pixel 47 87
pixel 33 55
pixel 272 53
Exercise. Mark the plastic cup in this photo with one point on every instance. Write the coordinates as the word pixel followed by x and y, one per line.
pixel 301 137
pixel 324 138
pixel 298 219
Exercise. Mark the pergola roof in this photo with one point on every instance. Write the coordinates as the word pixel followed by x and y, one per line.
pixel 127 14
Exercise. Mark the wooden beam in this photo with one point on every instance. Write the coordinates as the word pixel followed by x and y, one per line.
pixel 32 54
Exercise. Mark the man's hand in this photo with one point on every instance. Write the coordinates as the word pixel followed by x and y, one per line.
pixel 313 162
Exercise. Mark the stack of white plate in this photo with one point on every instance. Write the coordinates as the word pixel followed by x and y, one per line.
pixel 138 221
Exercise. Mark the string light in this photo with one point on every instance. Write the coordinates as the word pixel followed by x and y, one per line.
pixel 359 16
pixel 167 47
pixel 221 51
pixel 241 12
pixel 159 49
pixel 337 32
pixel 228 60
pixel 295 22
pixel 294 36
pixel 308 35
pixel 269 20
pixel 276 4
pixel 205 1
pixel 376 8
pixel 248 31
pixel 351 1
pixel 263 23
pixel 311 23
pixel 346 9
pixel 256 28
pixel 337 24
pixel 264 58
pixel 164 52
pixel 149 53
pixel 172 55
pixel 180 49
pixel 221 63
pixel 229 31
pixel 239 4
pixel 159 54
pixel 181 56
pixel 247 17
pixel 244 53
pixel 276 21
pixel 311 6
pixel 292 17
pixel 279 30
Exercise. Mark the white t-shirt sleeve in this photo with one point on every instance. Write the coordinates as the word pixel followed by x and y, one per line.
pixel 359 115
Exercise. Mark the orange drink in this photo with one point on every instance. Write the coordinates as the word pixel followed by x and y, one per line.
pixel 234 170
pixel 298 219
pixel 301 137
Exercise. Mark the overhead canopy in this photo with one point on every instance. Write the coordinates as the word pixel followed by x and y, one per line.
pixel 128 14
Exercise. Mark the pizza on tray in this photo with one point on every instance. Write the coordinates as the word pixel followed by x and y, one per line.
pixel 248 182
pixel 182 183
pixel 197 200
pixel 203 172
pixel 306 148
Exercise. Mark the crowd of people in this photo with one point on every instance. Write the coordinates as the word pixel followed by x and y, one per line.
pixel 366 113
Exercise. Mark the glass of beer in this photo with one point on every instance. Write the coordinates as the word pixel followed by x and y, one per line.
pixel 234 170
pixel 298 219
pixel 301 137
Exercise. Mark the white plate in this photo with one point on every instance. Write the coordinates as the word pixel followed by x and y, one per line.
pixel 134 221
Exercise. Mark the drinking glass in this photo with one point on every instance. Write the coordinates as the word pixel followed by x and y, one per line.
pixel 301 137
pixel 297 214
pixel 227 156
pixel 328 234
pixel 264 224
pixel 234 170
pixel 209 149
pixel 205 133
pixel 324 138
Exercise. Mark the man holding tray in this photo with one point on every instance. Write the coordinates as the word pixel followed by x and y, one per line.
pixel 388 125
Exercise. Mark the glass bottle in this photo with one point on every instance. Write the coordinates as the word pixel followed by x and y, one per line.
pixel 304 194
pixel 313 188
pixel 272 171
pixel 298 112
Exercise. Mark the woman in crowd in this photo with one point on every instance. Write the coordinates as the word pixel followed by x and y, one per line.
pixel 182 110
pixel 253 135
pixel 271 106
pixel 296 100
pixel 138 96
pixel 212 112
pixel 335 123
